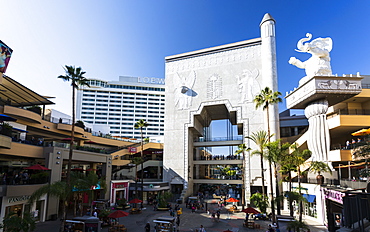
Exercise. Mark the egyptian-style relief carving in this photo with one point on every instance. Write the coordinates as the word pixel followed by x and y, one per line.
pixel 337 84
pixel 248 85
pixel 214 87
pixel 250 53
pixel 184 92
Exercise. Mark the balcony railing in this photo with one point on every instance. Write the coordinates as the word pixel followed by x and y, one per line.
pixel 219 157
pixel 216 139
pixel 349 112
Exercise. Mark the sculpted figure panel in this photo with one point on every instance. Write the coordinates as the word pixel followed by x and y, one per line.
pixel 184 92
pixel 319 63
pixel 248 85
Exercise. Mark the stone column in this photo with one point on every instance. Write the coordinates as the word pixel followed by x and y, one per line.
pixel 318 132
pixel 269 71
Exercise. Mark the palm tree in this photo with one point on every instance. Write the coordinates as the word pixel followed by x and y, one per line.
pixel 266 98
pixel 260 138
pixel 276 151
pixel 242 148
pixel 58 189
pixel 87 184
pixel 75 75
pixel 300 158
pixel 140 125
pixel 287 166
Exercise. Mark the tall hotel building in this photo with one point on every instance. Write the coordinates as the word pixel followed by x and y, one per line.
pixel 115 106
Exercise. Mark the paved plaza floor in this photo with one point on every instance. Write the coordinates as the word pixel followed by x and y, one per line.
pixel 188 222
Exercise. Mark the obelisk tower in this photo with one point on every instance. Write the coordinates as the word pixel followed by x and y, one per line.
pixel 269 72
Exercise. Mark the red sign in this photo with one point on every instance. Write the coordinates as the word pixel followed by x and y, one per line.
pixel 132 149
pixel 120 185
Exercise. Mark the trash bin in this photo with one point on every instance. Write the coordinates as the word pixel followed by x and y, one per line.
pixel 53 217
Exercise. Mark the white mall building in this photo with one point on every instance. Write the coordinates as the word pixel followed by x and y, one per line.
pixel 213 84
pixel 113 107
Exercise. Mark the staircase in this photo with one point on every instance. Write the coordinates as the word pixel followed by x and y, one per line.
pixel 131 171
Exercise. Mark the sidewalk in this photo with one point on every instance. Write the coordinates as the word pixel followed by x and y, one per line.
pixel 189 222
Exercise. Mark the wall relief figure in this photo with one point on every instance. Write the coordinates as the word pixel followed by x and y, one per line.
pixel 319 63
pixel 248 85
pixel 184 92
pixel 214 87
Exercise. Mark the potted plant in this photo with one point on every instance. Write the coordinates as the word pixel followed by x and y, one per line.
pixel 6 129
pixel 80 124
pixel 163 201
pixel 37 109
pixel 122 203
pixel 318 167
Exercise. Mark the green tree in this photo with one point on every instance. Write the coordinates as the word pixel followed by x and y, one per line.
pixel 266 98
pixel 77 79
pixel 296 226
pixel 275 151
pixel 260 138
pixel 300 158
pixel 13 223
pixel 140 125
pixel 58 189
pixel 88 184
pixel 261 201
pixel 363 153
pixel 242 148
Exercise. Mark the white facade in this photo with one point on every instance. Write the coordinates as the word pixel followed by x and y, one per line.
pixel 115 106
pixel 213 84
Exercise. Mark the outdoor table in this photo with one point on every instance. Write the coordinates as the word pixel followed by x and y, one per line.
pixel 250 225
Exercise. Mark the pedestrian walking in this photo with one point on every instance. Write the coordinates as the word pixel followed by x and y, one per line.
pixel 201 229
pixel 218 215
pixel 213 216
pixel 147 227
pixel 193 208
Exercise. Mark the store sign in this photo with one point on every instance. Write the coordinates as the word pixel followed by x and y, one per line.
pixel 132 149
pixel 334 195
pixel 120 185
pixel 17 199
pixel 151 80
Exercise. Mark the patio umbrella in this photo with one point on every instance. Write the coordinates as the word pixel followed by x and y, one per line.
pixel 227 230
pixel 135 201
pixel 361 132
pixel 250 210
pixel 232 200
pixel 37 167
pixel 4 117
pixel 118 214
pixel 90 142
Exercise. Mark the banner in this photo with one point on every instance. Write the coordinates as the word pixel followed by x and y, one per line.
pixel 6 53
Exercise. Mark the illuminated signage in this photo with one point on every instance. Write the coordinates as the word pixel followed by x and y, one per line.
pixel 151 80
pixel 334 195
pixel 17 199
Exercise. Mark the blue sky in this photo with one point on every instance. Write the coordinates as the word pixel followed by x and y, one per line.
pixel 121 37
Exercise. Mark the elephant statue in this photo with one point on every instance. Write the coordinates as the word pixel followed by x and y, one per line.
pixel 319 63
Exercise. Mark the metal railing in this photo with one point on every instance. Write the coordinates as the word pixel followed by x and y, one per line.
pixel 231 138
